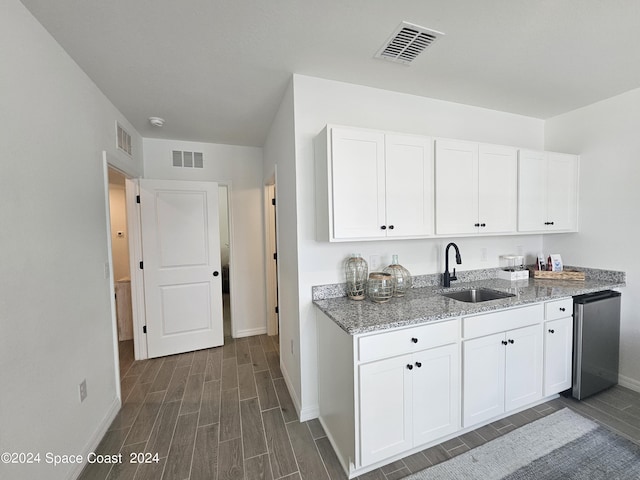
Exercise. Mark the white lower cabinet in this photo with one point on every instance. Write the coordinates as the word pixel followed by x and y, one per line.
pixel 383 395
pixel 558 346
pixel 503 370
pixel 408 401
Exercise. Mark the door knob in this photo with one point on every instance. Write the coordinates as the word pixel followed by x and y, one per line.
pixel 410 367
pixel 418 364
pixel 551 330
pixel 216 273
pixel 504 342
pixel 512 341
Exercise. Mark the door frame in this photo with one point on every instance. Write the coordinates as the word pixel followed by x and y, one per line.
pixel 137 275
pixel 132 190
pixel 232 277
pixel 271 247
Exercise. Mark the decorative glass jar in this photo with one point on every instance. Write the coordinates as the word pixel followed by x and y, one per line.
pixel 401 277
pixel 380 287
pixel 356 272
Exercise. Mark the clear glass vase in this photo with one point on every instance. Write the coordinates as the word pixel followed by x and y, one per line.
pixel 380 287
pixel 401 277
pixel 356 273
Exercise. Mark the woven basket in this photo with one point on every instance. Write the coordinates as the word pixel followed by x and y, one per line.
pixel 564 275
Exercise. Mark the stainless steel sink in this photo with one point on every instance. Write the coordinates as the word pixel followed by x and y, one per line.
pixel 476 295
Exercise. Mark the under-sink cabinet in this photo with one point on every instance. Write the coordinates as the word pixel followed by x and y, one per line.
pixel 502 362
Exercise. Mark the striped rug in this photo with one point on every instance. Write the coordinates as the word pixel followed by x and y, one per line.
pixel 563 445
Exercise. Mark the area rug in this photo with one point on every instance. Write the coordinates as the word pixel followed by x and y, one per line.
pixel 563 445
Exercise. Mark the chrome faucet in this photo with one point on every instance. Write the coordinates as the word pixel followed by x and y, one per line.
pixel 447 277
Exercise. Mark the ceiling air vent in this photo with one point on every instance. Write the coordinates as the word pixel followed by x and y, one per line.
pixel 187 159
pixel 407 42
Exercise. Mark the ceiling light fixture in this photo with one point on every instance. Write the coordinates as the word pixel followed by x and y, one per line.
pixel 156 121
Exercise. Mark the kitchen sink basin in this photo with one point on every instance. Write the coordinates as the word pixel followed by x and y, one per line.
pixel 476 295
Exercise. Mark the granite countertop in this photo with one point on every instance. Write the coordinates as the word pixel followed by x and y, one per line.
pixel 422 305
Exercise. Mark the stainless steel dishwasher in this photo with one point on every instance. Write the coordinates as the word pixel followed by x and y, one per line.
pixel 596 342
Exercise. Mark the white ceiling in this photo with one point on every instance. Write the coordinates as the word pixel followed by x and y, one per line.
pixel 216 70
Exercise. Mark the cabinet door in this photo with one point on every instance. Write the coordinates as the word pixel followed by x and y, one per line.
pixel 497 189
pixel 532 188
pixel 358 194
pixel 558 355
pixel 562 189
pixel 523 378
pixel 483 378
pixel 456 165
pixel 409 185
pixel 386 423
pixel 436 393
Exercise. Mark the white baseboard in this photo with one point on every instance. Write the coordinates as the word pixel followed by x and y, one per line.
pixel 628 382
pixel 96 438
pixel 304 414
pixel 309 413
pixel 250 332
pixel 292 393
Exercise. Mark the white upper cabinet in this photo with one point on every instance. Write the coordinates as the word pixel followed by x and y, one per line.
pixel 372 185
pixel 475 188
pixel 547 192
pixel 498 188
pixel 409 185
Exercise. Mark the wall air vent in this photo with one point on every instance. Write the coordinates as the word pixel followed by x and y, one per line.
pixel 407 42
pixel 187 159
pixel 123 140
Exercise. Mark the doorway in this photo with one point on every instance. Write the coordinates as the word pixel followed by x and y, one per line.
pixel 273 327
pixel 120 268
pixel 225 257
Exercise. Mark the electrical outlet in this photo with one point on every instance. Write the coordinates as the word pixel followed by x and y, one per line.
pixel 291 347
pixel 520 250
pixel 83 390
pixel 374 263
pixel 483 254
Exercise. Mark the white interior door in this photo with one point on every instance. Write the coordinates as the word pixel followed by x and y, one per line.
pixel 181 254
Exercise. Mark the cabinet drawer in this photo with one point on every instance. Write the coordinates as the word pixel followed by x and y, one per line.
pixel 558 309
pixel 407 340
pixel 487 324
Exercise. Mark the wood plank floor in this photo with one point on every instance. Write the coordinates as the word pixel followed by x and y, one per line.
pixel 225 414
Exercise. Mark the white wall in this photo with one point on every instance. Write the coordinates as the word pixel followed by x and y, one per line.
pixel 241 169
pixel 55 318
pixel 318 102
pixel 606 136
pixel 279 151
